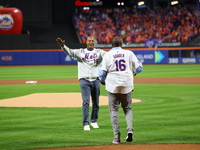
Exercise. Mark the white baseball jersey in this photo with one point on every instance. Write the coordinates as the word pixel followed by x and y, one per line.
pixel 88 61
pixel 119 64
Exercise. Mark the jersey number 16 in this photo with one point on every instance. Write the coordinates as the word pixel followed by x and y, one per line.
pixel 120 65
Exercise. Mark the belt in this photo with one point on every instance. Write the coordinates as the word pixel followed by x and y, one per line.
pixel 91 77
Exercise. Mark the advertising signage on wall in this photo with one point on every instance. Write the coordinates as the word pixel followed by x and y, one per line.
pixel 186 60
pixel 152 56
pixel 55 57
pixel 162 57
pixel 142 45
pixel 85 3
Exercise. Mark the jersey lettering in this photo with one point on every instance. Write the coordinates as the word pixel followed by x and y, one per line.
pixel 118 55
pixel 120 65
pixel 88 56
pixel 96 61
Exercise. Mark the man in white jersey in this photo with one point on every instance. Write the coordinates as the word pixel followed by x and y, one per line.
pixel 89 60
pixel 117 74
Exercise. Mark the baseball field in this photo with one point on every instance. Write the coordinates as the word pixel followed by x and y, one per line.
pixel 166 118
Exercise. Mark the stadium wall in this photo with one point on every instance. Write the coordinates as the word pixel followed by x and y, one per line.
pixel 182 55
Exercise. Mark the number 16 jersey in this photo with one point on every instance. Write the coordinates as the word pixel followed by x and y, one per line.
pixel 119 65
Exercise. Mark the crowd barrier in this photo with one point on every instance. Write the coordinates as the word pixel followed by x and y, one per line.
pixel 187 55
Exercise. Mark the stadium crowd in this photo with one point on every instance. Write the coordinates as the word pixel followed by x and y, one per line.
pixel 178 23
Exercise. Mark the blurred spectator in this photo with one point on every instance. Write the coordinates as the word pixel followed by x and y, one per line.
pixel 133 25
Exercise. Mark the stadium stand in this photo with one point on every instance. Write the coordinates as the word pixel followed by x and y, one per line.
pixel 132 24
pixel 180 23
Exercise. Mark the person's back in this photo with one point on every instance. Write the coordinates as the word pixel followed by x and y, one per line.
pixel 117 73
pixel 118 64
pixel 120 77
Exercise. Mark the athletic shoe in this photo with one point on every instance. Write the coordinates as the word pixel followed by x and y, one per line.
pixel 94 125
pixel 86 128
pixel 116 141
pixel 129 137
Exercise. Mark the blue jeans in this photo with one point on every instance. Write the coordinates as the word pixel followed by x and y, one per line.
pixel 90 88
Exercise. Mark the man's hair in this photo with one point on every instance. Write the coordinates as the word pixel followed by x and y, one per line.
pixel 116 42
pixel 90 37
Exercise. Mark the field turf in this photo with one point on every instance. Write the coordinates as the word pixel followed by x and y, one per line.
pixel 167 114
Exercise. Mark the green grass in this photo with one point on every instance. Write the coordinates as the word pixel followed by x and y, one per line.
pixel 167 113
pixel 61 72
pixel 38 72
pixel 171 71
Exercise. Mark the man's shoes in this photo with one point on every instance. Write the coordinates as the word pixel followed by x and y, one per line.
pixel 94 125
pixel 116 141
pixel 129 137
pixel 86 128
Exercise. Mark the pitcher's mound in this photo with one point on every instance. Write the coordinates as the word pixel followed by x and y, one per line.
pixel 51 100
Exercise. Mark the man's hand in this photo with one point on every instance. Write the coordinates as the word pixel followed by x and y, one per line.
pixel 134 74
pixel 60 41
pixel 103 83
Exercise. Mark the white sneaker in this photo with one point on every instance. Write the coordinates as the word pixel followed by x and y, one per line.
pixel 94 125
pixel 86 128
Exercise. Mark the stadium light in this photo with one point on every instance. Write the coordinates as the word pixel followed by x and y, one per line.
pixel 120 3
pixel 140 3
pixel 174 2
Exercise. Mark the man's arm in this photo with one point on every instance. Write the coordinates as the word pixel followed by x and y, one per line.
pixel 102 76
pixel 138 69
pixel 66 49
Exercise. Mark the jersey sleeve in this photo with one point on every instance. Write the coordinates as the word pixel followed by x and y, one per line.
pixel 73 53
pixel 136 64
pixel 103 53
pixel 135 61
pixel 139 69
pixel 102 75
pixel 104 62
